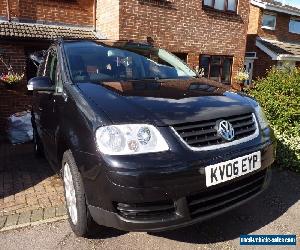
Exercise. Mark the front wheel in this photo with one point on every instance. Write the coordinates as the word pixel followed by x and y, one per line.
pixel 80 219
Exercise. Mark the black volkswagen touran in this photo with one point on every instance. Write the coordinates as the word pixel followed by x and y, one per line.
pixel 143 143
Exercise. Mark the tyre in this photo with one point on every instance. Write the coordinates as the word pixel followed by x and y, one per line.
pixel 37 144
pixel 80 219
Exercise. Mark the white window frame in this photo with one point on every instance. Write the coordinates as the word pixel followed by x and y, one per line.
pixel 294 19
pixel 253 56
pixel 225 6
pixel 268 27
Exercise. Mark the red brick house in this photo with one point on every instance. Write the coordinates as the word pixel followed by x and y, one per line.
pixel 273 36
pixel 207 33
pixel 27 26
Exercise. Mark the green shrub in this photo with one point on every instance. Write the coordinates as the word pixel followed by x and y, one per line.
pixel 279 95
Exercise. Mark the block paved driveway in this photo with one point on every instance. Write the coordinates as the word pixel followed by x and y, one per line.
pixel 26 183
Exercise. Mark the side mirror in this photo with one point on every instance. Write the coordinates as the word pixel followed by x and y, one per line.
pixel 42 83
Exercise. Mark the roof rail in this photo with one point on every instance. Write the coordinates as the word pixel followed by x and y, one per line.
pixel 124 42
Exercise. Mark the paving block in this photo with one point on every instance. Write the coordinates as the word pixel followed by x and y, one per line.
pixel 2 221
pixel 61 211
pixel 10 198
pixel 37 215
pixel 24 217
pixel 49 212
pixel 12 220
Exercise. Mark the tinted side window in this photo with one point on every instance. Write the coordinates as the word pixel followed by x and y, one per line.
pixel 41 69
pixel 51 66
pixel 58 81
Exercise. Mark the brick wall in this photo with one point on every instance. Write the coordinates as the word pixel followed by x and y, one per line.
pixel 13 6
pixel 254 19
pixel 263 61
pixel 73 12
pixel 183 26
pixel 262 64
pixel 13 100
pixel 108 17
pixel 3 8
pixel 281 32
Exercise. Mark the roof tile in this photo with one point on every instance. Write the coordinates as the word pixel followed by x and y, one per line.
pixel 281 48
pixel 49 32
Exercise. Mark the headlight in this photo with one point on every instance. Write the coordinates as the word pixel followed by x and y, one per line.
pixel 130 139
pixel 262 119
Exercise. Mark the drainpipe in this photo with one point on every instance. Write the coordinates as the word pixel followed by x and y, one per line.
pixel 94 15
pixel 8 10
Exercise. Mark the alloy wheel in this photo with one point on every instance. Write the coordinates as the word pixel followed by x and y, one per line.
pixel 70 194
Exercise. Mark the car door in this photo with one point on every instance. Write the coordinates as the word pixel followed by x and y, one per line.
pixel 50 117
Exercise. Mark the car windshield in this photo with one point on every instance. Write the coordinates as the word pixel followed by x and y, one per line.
pixel 97 62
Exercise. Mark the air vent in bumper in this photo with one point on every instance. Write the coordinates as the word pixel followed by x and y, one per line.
pixel 146 211
pixel 219 198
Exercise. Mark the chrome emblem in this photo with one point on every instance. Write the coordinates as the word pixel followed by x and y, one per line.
pixel 225 130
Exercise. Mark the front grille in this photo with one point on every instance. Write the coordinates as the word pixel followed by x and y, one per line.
pixel 219 198
pixel 204 133
pixel 146 211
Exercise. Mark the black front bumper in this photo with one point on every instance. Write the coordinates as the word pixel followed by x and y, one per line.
pixel 187 210
pixel 166 200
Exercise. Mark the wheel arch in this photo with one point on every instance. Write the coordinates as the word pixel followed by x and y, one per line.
pixel 62 146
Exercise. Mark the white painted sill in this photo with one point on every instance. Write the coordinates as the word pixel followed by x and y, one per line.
pixel 297 33
pixel 268 28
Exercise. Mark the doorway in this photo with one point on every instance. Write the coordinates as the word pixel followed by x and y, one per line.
pixel 249 69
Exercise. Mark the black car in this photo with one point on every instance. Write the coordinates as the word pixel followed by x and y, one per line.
pixel 142 141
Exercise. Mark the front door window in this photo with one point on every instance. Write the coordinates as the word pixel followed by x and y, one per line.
pixel 249 69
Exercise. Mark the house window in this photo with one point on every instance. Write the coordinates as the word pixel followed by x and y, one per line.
pixel 269 21
pixel 251 55
pixel 217 68
pixel 181 56
pixel 223 5
pixel 294 26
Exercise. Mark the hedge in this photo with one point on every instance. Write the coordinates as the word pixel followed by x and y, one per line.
pixel 279 95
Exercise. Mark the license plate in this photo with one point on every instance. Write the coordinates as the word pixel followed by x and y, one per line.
pixel 228 170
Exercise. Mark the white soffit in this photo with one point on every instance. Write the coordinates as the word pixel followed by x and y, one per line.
pixel 276 8
pixel 275 56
